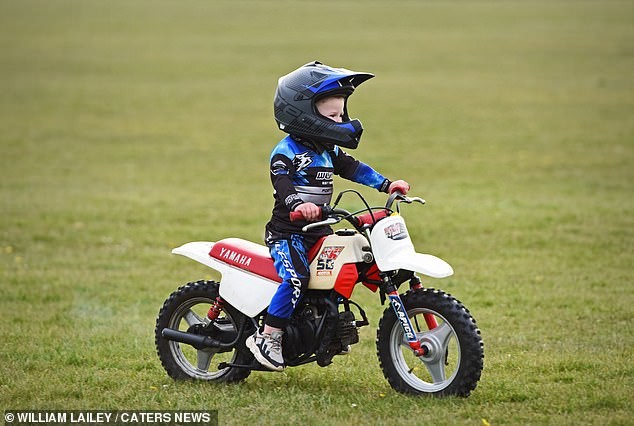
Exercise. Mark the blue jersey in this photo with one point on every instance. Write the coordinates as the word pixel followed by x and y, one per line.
pixel 302 174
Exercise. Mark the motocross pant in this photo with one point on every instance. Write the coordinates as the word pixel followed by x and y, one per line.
pixel 292 265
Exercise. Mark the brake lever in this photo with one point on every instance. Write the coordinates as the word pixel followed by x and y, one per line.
pixel 415 200
pixel 408 200
pixel 329 221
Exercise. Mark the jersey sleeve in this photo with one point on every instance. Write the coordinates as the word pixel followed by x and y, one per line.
pixel 282 169
pixel 349 168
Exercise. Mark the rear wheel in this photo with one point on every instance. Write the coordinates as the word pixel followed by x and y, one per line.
pixel 445 328
pixel 186 310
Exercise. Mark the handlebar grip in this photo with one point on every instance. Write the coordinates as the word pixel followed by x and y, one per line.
pixel 295 216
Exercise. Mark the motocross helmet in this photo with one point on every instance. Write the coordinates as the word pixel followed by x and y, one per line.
pixel 296 112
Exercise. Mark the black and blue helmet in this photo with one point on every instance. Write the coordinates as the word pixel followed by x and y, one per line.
pixel 296 112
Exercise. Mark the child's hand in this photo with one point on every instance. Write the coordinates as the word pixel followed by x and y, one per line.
pixel 310 211
pixel 400 186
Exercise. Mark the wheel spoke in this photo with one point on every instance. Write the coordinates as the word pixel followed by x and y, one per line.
pixel 439 339
pixel 436 370
pixel 192 318
pixel 442 334
pixel 203 359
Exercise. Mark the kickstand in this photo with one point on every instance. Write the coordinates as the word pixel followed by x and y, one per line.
pixel 255 365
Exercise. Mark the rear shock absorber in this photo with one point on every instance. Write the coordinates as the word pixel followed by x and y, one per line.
pixel 216 308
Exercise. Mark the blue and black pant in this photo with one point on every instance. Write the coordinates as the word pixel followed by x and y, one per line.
pixel 290 256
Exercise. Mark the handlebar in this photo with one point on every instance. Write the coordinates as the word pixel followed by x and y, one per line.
pixel 296 215
pixel 328 215
pixel 400 197
pixel 332 215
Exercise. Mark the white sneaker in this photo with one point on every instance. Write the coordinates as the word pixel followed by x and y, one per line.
pixel 267 349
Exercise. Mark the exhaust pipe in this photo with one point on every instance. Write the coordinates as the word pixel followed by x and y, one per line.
pixel 195 340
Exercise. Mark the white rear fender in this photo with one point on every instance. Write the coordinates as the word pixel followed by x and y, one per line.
pixel 247 292
pixel 198 251
pixel 393 249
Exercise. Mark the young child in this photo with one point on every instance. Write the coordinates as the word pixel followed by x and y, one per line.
pixel 311 106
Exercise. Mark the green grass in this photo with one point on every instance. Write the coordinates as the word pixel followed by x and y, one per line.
pixel 127 128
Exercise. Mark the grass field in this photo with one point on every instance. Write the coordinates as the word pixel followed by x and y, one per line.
pixel 130 127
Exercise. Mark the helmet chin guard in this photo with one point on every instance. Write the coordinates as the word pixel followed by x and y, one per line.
pixel 294 104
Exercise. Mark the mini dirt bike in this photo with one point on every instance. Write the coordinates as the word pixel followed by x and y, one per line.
pixel 427 342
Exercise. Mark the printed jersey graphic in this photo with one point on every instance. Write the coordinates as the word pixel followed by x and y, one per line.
pixel 301 161
pixel 300 174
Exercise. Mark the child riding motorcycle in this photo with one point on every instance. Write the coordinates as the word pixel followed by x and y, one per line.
pixel 310 105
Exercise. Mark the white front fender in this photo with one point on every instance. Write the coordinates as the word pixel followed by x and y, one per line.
pixel 425 264
pixel 393 249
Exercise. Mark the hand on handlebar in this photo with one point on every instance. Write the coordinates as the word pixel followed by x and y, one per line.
pixel 400 186
pixel 308 211
pixel 324 215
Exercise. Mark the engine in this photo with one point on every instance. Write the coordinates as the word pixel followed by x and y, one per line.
pixel 310 333
pixel 301 334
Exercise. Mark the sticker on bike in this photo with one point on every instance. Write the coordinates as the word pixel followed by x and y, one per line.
pixel 326 260
pixel 396 231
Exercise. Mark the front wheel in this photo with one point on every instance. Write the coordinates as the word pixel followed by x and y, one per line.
pixel 186 310
pixel 445 328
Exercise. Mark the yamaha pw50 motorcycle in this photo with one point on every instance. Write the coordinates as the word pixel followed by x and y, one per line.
pixel 427 342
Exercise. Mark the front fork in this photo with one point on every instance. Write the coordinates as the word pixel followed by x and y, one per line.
pixel 430 319
pixel 403 318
